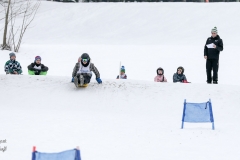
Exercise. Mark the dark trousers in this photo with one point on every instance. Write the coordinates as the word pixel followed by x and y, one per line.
pixel 87 77
pixel 212 64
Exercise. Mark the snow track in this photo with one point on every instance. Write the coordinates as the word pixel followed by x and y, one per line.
pixel 116 120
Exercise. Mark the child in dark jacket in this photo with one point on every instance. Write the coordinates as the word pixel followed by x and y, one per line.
pixel 37 68
pixel 179 76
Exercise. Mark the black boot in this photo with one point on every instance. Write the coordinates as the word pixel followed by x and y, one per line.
pixel 215 82
pixel 209 82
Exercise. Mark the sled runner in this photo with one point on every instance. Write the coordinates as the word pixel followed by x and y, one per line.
pixel 85 85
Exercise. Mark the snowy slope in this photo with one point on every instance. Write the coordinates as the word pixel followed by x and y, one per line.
pixel 117 120
pixel 133 119
pixel 134 23
pixel 143 36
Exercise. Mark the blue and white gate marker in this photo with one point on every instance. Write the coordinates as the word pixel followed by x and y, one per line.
pixel 73 154
pixel 198 113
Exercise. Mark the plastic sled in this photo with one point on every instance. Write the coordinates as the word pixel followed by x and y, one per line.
pixel 85 85
pixel 33 73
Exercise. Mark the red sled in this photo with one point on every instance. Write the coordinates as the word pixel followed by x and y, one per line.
pixel 185 81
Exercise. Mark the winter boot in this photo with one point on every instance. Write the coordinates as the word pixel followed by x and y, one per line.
pixel 76 81
pixel 215 82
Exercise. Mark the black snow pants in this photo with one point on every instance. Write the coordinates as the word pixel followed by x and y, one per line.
pixel 87 77
pixel 212 64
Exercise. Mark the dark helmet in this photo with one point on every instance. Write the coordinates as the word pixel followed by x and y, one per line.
pixel 85 56
pixel 181 69
pixel 161 70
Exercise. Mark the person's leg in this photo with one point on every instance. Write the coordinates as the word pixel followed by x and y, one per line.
pixel 209 70
pixel 76 80
pixel 81 80
pixel 87 77
pixel 215 71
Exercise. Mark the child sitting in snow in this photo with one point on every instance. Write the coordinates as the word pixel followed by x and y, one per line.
pixel 160 76
pixel 37 68
pixel 12 66
pixel 122 73
pixel 179 76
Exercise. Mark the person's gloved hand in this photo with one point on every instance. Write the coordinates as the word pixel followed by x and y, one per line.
pixel 72 79
pixel 99 80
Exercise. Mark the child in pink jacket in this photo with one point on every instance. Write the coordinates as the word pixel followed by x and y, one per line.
pixel 160 76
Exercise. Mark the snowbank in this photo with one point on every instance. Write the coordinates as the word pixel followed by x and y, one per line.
pixel 116 120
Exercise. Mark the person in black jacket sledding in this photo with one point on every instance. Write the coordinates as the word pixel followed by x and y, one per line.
pixel 37 68
pixel 211 54
pixel 179 76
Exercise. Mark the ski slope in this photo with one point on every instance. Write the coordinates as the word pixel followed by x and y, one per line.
pixel 116 120
pixel 132 119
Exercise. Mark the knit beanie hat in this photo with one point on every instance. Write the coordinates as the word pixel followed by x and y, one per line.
pixel 12 54
pixel 37 58
pixel 123 69
pixel 214 30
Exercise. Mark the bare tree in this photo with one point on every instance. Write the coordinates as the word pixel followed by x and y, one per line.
pixel 19 15
pixel 6 9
